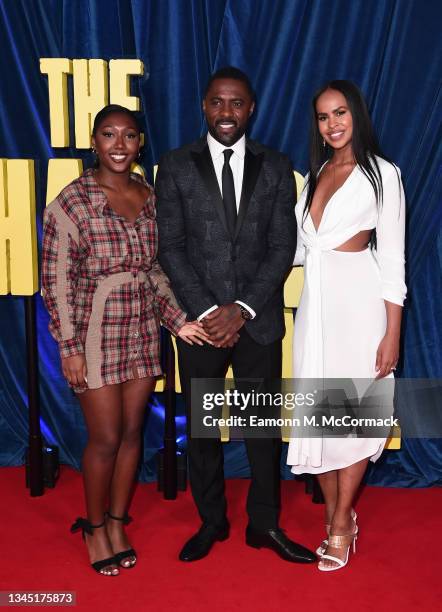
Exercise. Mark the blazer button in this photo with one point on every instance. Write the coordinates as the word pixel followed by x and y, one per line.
pixel 233 257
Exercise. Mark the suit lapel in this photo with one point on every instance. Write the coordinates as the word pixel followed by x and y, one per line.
pixel 204 164
pixel 252 168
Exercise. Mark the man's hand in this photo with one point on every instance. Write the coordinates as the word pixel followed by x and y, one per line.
pixel 228 342
pixel 223 325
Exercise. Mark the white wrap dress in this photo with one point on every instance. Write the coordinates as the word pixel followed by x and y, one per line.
pixel 341 318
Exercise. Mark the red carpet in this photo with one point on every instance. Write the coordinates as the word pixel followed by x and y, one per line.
pixel 396 567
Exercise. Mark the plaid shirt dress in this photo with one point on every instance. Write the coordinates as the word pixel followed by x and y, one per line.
pixel 103 286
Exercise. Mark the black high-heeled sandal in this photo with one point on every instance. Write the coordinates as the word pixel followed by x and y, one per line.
pixel 86 527
pixel 130 552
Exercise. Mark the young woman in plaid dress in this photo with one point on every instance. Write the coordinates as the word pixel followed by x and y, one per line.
pixel 106 295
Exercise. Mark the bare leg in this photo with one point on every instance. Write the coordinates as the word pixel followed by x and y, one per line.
pixel 328 481
pixel 103 415
pixel 349 479
pixel 135 397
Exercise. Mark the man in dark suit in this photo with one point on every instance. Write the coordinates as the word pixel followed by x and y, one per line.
pixel 227 237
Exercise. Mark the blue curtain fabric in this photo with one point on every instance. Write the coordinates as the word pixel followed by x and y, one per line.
pixel 389 48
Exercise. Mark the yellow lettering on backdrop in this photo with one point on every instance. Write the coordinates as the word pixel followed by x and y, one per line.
pixel 293 285
pixel 90 95
pixel 18 234
pixel 299 180
pixel 394 443
pixel 119 85
pixel 61 172
pixel 57 69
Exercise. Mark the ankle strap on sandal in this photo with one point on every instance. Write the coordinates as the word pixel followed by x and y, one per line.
pixel 85 526
pixel 126 519
pixel 341 541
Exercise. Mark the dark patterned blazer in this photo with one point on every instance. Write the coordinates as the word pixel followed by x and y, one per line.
pixel 208 266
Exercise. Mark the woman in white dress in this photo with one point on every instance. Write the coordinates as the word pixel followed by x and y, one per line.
pixel 351 226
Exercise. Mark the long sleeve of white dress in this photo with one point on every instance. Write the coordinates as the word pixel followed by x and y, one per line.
pixel 390 237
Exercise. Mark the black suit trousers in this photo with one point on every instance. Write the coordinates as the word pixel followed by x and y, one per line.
pixel 206 472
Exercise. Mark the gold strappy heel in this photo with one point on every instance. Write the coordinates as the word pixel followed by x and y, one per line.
pixel 323 545
pixel 339 541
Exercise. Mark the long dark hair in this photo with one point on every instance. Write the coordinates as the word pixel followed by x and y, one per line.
pixel 364 142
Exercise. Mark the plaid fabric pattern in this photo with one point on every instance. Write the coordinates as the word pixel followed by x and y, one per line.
pixel 86 247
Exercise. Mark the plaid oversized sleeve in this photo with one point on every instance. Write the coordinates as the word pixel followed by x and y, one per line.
pixel 172 317
pixel 60 260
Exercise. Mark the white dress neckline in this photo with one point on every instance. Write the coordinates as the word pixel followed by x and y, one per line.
pixel 344 184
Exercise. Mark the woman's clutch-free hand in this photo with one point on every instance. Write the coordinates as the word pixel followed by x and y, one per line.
pixel 75 370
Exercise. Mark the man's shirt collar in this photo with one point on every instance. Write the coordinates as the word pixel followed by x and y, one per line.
pixel 217 149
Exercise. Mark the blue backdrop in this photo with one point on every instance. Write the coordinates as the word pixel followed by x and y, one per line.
pixel 390 48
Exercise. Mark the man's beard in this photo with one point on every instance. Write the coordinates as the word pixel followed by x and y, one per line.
pixel 227 139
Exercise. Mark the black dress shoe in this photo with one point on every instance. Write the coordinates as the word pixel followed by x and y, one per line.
pixel 200 544
pixel 276 540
